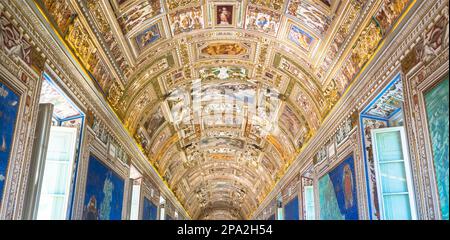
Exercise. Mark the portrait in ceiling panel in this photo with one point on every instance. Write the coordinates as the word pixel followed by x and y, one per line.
pixel 262 20
pixel 225 15
pixel 186 20
pixel 310 16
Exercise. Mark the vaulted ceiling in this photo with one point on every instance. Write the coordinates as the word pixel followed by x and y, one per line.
pixel 223 95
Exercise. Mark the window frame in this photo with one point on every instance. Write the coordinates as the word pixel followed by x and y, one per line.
pixel 407 165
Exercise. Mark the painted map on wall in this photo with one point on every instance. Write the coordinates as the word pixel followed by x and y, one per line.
pixel 9 106
pixel 150 211
pixel 104 193
pixel 438 122
pixel 337 193
pixel 291 210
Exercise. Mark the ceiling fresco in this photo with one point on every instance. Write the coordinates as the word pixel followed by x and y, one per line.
pixel 222 95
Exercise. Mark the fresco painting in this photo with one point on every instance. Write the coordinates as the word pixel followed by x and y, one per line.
pixel 148 37
pixel 337 193
pixel 262 20
pixel 301 38
pixel 104 193
pixel 438 123
pixel 9 107
pixel 186 20
pixel 224 49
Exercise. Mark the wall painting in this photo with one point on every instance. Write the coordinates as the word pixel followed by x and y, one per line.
pixel 150 210
pixel 291 210
pixel 437 107
pixel 104 193
pixel 9 107
pixel 337 193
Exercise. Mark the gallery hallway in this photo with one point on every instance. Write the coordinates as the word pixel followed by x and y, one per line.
pixel 224 110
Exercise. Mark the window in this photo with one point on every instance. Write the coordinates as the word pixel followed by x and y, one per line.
pixel 384 112
pixel 60 164
pixel 393 172
pixel 309 203
pixel 54 198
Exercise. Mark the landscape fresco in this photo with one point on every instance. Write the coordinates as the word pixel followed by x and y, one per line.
pixel 150 211
pixel 9 106
pixel 438 122
pixel 104 193
pixel 337 193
